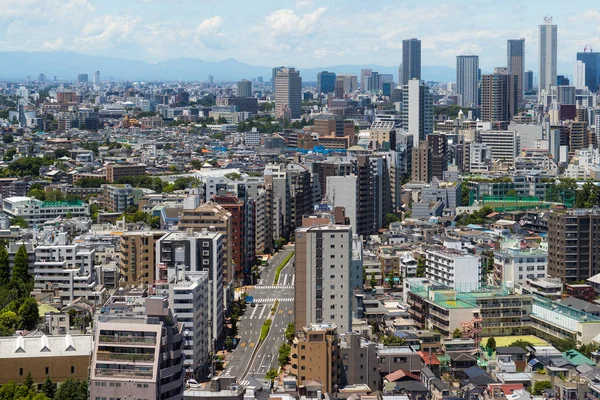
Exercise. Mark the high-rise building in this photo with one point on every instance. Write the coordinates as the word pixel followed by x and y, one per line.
pixel 274 73
pixel 365 73
pixel 211 79
pixel 467 80
pixel 438 146
pixel 339 88
pixel 411 60
pixel 82 78
pixel 194 252
pixel 96 78
pixel 138 350
pixel 547 55
pixel 326 81
pixel 417 110
pixel 244 88
pixel 591 60
pixel 324 276
pixel 350 82
pixel 528 81
pixel 516 63
pixel 136 257
pixel 498 97
pixel 316 355
pixel 42 78
pixel 573 244
pixel 420 170
pixel 579 75
pixel 288 94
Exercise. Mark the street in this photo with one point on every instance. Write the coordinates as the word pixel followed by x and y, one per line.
pixel 251 358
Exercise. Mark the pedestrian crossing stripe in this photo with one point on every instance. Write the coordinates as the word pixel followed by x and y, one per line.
pixel 273 300
pixel 274 287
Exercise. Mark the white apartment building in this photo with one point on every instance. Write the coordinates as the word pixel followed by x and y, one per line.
pixel 36 211
pixel 323 289
pixel 504 145
pixel 342 191
pixel 252 138
pixel 408 265
pixel 454 269
pixel 67 268
pixel 480 158
pixel 518 266
pixel 189 302
pixel 194 252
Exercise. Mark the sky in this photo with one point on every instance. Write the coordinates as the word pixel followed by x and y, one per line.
pixel 303 33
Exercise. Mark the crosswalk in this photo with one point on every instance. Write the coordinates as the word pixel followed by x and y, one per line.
pixel 286 279
pixel 274 299
pixel 274 287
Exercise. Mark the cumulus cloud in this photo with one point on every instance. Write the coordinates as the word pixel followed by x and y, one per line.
pixel 283 30
pixel 108 30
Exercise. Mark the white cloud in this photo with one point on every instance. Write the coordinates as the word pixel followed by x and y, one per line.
pixel 304 3
pixel 108 31
pixel 210 25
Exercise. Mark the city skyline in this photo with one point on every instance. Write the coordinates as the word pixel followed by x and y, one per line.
pixel 299 33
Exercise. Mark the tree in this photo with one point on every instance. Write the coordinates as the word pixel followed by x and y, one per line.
pixel 421 267
pixel 373 280
pixel 8 138
pixel 565 344
pixel 511 193
pixel 234 176
pixel 521 343
pixel 229 343
pixel 393 340
pixel 28 381
pixel 4 266
pixel 587 349
pixel 465 194
pixel 491 344
pixel 72 389
pixel 290 332
pixel 391 218
pixel 284 354
pixel 29 313
pixel 457 333
pixel 20 222
pixel 8 322
pixel 37 194
pixel 539 386
pixel 20 271
pixel 390 278
pixel 271 374
pixel 49 388
pixel 69 215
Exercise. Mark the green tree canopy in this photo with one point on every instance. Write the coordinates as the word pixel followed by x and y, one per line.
pixel 29 313
pixel 491 344
pixel 49 387
pixel 456 333
pixel 20 271
pixel 72 389
pixel 4 266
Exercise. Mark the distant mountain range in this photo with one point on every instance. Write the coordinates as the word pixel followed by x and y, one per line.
pixel 66 65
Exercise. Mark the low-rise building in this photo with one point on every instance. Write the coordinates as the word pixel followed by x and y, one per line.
pixel 58 356
pixel 37 211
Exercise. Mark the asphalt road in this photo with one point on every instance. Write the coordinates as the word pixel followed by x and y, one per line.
pixel 241 362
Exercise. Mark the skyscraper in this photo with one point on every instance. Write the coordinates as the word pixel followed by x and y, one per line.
pixel 591 60
pixel 411 60
pixel 324 276
pixel 274 75
pixel 515 52
pixel 96 78
pixel 467 82
pixel 244 88
pixel 548 53
pixel 82 78
pixel 528 81
pixel 326 81
pixel 364 76
pixel 498 97
pixel 417 110
pixel 288 94
pixel 579 75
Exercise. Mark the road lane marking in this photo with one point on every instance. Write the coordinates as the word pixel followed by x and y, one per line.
pixel 253 312
pixel 262 312
pixel 293 279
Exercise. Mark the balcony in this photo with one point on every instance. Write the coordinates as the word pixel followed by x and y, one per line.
pixel 130 357
pixel 124 373
pixel 151 341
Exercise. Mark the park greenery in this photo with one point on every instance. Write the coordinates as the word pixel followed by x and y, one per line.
pixel 18 310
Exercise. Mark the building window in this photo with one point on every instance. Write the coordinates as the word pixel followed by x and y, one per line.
pixel 21 371
pixel 47 370
pixel 72 369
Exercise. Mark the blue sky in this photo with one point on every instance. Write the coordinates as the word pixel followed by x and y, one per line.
pixel 304 33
